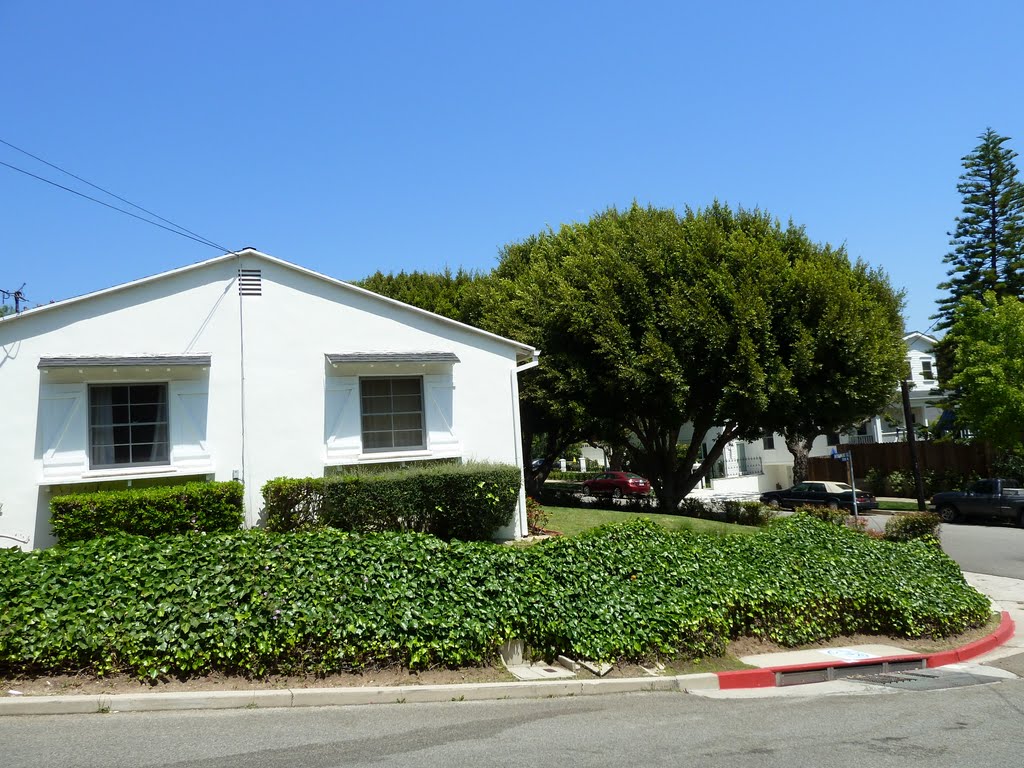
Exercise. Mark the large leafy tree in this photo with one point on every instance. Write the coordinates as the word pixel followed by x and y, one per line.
pixel 984 370
pixel 650 320
pixel 988 241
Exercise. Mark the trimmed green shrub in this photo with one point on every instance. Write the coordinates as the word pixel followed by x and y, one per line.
pixel 873 482
pixel 728 511
pixel 834 516
pixel 468 502
pixel 200 507
pixel 699 508
pixel 573 477
pixel 916 525
pixel 899 483
pixel 323 601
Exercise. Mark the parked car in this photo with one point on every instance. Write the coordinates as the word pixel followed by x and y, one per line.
pixel 820 493
pixel 995 497
pixel 617 485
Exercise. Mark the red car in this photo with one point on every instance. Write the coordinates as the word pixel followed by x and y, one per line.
pixel 617 485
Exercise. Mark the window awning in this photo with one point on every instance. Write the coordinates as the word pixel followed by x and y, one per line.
pixel 392 357
pixel 122 361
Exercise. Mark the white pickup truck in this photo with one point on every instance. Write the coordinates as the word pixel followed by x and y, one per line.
pixel 996 497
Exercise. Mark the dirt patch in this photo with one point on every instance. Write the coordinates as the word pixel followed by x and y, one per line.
pixel 86 684
pixel 750 646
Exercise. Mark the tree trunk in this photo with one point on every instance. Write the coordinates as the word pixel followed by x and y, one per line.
pixel 674 476
pixel 801 449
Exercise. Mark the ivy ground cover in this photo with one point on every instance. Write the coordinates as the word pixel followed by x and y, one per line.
pixel 254 602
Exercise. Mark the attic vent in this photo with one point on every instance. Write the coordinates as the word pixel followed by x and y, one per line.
pixel 250 282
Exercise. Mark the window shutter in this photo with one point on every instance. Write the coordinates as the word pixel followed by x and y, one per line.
pixel 189 406
pixel 439 414
pixel 63 426
pixel 341 419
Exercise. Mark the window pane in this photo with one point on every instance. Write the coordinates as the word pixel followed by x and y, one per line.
pixel 407 421
pixel 376 440
pixel 407 438
pixel 376 423
pixel 379 387
pixel 407 403
pixel 376 405
pixel 405 387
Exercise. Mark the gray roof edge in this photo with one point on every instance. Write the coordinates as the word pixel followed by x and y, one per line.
pixel 252 252
pixel 87 361
pixel 392 357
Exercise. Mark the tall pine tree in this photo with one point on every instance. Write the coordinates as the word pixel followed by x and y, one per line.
pixel 988 242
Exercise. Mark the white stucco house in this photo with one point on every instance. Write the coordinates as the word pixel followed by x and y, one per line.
pixel 242 367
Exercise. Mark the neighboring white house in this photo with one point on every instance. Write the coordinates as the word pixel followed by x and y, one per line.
pixel 766 464
pixel 242 366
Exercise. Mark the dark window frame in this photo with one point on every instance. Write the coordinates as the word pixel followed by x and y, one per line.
pixel 129 416
pixel 394 444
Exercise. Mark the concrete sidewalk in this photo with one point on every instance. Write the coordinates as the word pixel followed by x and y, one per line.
pixel 1005 661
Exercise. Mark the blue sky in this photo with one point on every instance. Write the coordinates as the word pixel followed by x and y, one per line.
pixel 354 136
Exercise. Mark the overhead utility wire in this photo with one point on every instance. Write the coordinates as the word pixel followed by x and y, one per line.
pixel 181 231
pixel 108 192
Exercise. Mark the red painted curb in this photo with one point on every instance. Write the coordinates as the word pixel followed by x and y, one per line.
pixel 766 677
pixel 941 659
pixel 1003 633
pixel 746 678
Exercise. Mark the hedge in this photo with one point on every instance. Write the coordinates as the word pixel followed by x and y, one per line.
pixel 916 525
pixel 468 502
pixel 322 601
pixel 201 507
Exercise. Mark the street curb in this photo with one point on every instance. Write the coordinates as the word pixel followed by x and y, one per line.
pixel 769 677
pixel 341 697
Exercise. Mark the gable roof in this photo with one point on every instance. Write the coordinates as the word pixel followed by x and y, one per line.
pixel 525 350
pixel 913 335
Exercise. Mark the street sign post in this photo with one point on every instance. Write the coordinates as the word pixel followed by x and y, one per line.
pixel 848 458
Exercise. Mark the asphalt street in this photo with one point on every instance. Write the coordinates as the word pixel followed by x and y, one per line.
pixel 995 549
pixel 965 727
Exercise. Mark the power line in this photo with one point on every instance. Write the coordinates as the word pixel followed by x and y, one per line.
pixel 108 192
pixel 180 231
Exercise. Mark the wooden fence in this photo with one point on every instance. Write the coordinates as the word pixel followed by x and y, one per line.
pixel 888 457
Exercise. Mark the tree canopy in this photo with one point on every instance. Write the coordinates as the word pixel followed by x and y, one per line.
pixel 988 241
pixel 984 371
pixel 454 296
pixel 650 320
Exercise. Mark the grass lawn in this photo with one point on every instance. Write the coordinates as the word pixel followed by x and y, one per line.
pixel 571 521
pixel 898 506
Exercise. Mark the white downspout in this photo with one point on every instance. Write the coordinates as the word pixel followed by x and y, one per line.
pixel 522 528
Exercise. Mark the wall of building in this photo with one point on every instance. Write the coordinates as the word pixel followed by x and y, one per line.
pixel 262 396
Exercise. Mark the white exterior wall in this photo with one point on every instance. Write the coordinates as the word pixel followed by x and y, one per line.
pixel 273 347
